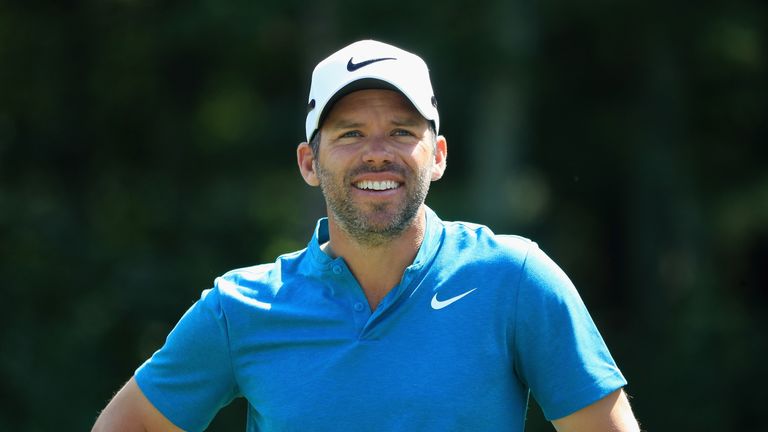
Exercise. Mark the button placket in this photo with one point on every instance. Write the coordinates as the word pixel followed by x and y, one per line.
pixel 355 298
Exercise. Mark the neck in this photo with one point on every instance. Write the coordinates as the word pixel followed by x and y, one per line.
pixel 378 268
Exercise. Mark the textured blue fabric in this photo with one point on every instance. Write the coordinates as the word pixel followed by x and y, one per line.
pixel 477 321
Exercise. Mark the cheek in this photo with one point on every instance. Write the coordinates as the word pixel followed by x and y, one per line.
pixel 423 159
pixel 329 176
pixel 338 159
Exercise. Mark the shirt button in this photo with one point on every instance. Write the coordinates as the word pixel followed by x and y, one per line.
pixel 359 307
pixel 337 269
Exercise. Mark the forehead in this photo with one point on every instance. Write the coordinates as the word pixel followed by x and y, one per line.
pixel 376 102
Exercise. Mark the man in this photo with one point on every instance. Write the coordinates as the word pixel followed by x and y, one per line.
pixel 390 319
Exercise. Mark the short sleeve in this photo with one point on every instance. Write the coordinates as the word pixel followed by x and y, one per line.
pixel 190 378
pixel 559 352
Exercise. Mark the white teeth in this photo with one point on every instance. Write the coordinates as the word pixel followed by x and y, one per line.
pixel 377 185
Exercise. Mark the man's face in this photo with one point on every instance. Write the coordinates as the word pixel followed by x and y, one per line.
pixel 374 164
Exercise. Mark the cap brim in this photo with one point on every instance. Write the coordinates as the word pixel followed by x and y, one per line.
pixel 361 84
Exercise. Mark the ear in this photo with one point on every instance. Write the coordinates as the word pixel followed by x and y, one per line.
pixel 441 154
pixel 306 159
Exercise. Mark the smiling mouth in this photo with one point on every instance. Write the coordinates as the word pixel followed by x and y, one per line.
pixel 377 185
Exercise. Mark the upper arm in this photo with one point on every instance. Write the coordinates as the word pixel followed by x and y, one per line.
pixel 131 411
pixel 558 351
pixel 610 414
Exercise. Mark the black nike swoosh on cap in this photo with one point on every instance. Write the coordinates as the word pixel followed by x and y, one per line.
pixel 355 66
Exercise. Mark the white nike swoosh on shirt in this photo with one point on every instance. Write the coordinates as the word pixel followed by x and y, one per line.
pixel 437 304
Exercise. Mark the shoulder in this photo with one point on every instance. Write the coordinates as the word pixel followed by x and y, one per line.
pixel 470 244
pixel 481 241
pixel 245 278
pixel 257 283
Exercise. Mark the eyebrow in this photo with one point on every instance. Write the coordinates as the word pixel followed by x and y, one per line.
pixel 346 124
pixel 407 121
pixel 401 121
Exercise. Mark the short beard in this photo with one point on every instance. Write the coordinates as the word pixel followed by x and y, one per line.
pixel 354 222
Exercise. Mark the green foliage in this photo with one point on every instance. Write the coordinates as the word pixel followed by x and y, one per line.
pixel 146 148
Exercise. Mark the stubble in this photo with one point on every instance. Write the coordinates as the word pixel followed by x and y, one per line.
pixel 373 224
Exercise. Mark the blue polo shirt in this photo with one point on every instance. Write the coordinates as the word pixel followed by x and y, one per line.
pixel 477 322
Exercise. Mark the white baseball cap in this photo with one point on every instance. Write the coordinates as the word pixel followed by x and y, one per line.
pixel 369 64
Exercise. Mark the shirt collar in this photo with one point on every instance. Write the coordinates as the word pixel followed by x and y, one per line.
pixel 433 234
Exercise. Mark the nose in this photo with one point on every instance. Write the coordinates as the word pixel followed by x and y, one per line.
pixel 378 152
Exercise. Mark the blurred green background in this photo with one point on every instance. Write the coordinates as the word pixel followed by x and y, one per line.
pixel 147 147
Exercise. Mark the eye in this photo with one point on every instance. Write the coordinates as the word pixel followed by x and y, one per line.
pixel 401 132
pixel 351 134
